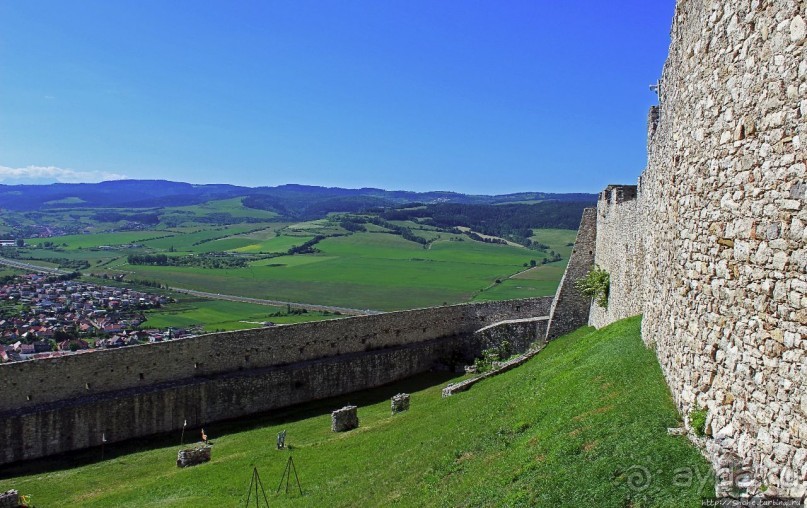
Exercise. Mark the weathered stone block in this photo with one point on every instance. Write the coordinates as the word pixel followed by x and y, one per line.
pixel 345 419
pixel 400 403
pixel 9 499
pixel 193 456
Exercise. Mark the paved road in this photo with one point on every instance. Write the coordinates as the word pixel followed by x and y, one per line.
pixel 215 296
pixel 27 266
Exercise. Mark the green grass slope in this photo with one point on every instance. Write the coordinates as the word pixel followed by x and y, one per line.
pixel 582 424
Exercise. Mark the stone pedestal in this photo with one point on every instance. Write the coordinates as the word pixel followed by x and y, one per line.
pixel 9 499
pixel 193 456
pixel 344 419
pixel 400 403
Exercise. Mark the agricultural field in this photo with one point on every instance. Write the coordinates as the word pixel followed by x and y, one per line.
pixel 373 269
pixel 88 241
pixel 541 280
pixel 225 316
pixel 377 271
pixel 574 424
pixel 366 263
pixel 232 206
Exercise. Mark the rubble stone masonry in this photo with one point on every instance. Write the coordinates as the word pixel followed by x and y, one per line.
pixel 713 249
pixel 60 404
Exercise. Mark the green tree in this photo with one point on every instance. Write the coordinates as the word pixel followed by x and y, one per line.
pixel 596 284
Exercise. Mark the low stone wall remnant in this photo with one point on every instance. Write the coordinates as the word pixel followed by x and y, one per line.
pixel 500 367
pixel 193 456
pixel 9 499
pixel 400 403
pixel 345 419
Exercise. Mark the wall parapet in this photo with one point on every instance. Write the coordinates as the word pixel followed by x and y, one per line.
pixel 29 383
pixel 151 389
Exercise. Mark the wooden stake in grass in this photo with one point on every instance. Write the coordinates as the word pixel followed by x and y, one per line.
pixel 256 481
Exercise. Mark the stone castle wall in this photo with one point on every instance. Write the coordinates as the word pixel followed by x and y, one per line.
pixel 570 309
pixel 715 244
pixel 619 251
pixel 56 405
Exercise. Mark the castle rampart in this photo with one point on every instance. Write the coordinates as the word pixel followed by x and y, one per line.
pixel 619 252
pixel 570 309
pixel 61 404
pixel 713 251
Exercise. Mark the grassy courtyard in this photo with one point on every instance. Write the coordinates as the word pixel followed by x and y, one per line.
pixel 584 423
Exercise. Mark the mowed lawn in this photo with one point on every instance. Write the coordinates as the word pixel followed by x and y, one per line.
pixel 584 423
pixel 366 270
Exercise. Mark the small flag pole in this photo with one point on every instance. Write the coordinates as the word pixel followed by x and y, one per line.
pixel 103 441
pixel 182 438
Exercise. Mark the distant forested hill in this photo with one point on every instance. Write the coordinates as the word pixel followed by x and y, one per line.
pixel 126 205
pixel 292 199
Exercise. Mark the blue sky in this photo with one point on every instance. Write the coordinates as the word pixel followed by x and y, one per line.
pixel 470 96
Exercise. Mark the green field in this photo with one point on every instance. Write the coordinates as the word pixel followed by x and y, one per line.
pixel 6 271
pixel 219 315
pixel 365 271
pixel 375 269
pixel 232 206
pixel 72 242
pixel 539 281
pixel 277 244
pixel 200 240
pixel 584 423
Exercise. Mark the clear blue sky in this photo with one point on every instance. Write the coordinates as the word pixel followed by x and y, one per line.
pixel 471 96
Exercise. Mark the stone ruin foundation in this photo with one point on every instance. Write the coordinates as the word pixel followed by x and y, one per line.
pixel 345 419
pixel 400 403
pixel 9 499
pixel 193 456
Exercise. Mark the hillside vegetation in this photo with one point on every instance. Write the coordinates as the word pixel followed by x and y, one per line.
pixel 584 423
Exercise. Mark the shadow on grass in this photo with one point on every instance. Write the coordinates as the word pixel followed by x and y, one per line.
pixel 281 416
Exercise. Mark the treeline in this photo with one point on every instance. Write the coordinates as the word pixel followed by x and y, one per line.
pixel 514 222
pixel 307 247
pixel 50 279
pixel 306 207
pixel 9 252
pixel 175 219
pixel 352 223
pixel 476 237
pixel 112 216
pixel 65 263
pixel 210 260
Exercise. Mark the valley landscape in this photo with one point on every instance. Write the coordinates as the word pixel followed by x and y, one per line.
pixel 351 252
pixel 296 332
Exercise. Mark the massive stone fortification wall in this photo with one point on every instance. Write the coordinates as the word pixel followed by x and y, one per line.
pixel 721 218
pixel 619 251
pixel 570 309
pixel 61 404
